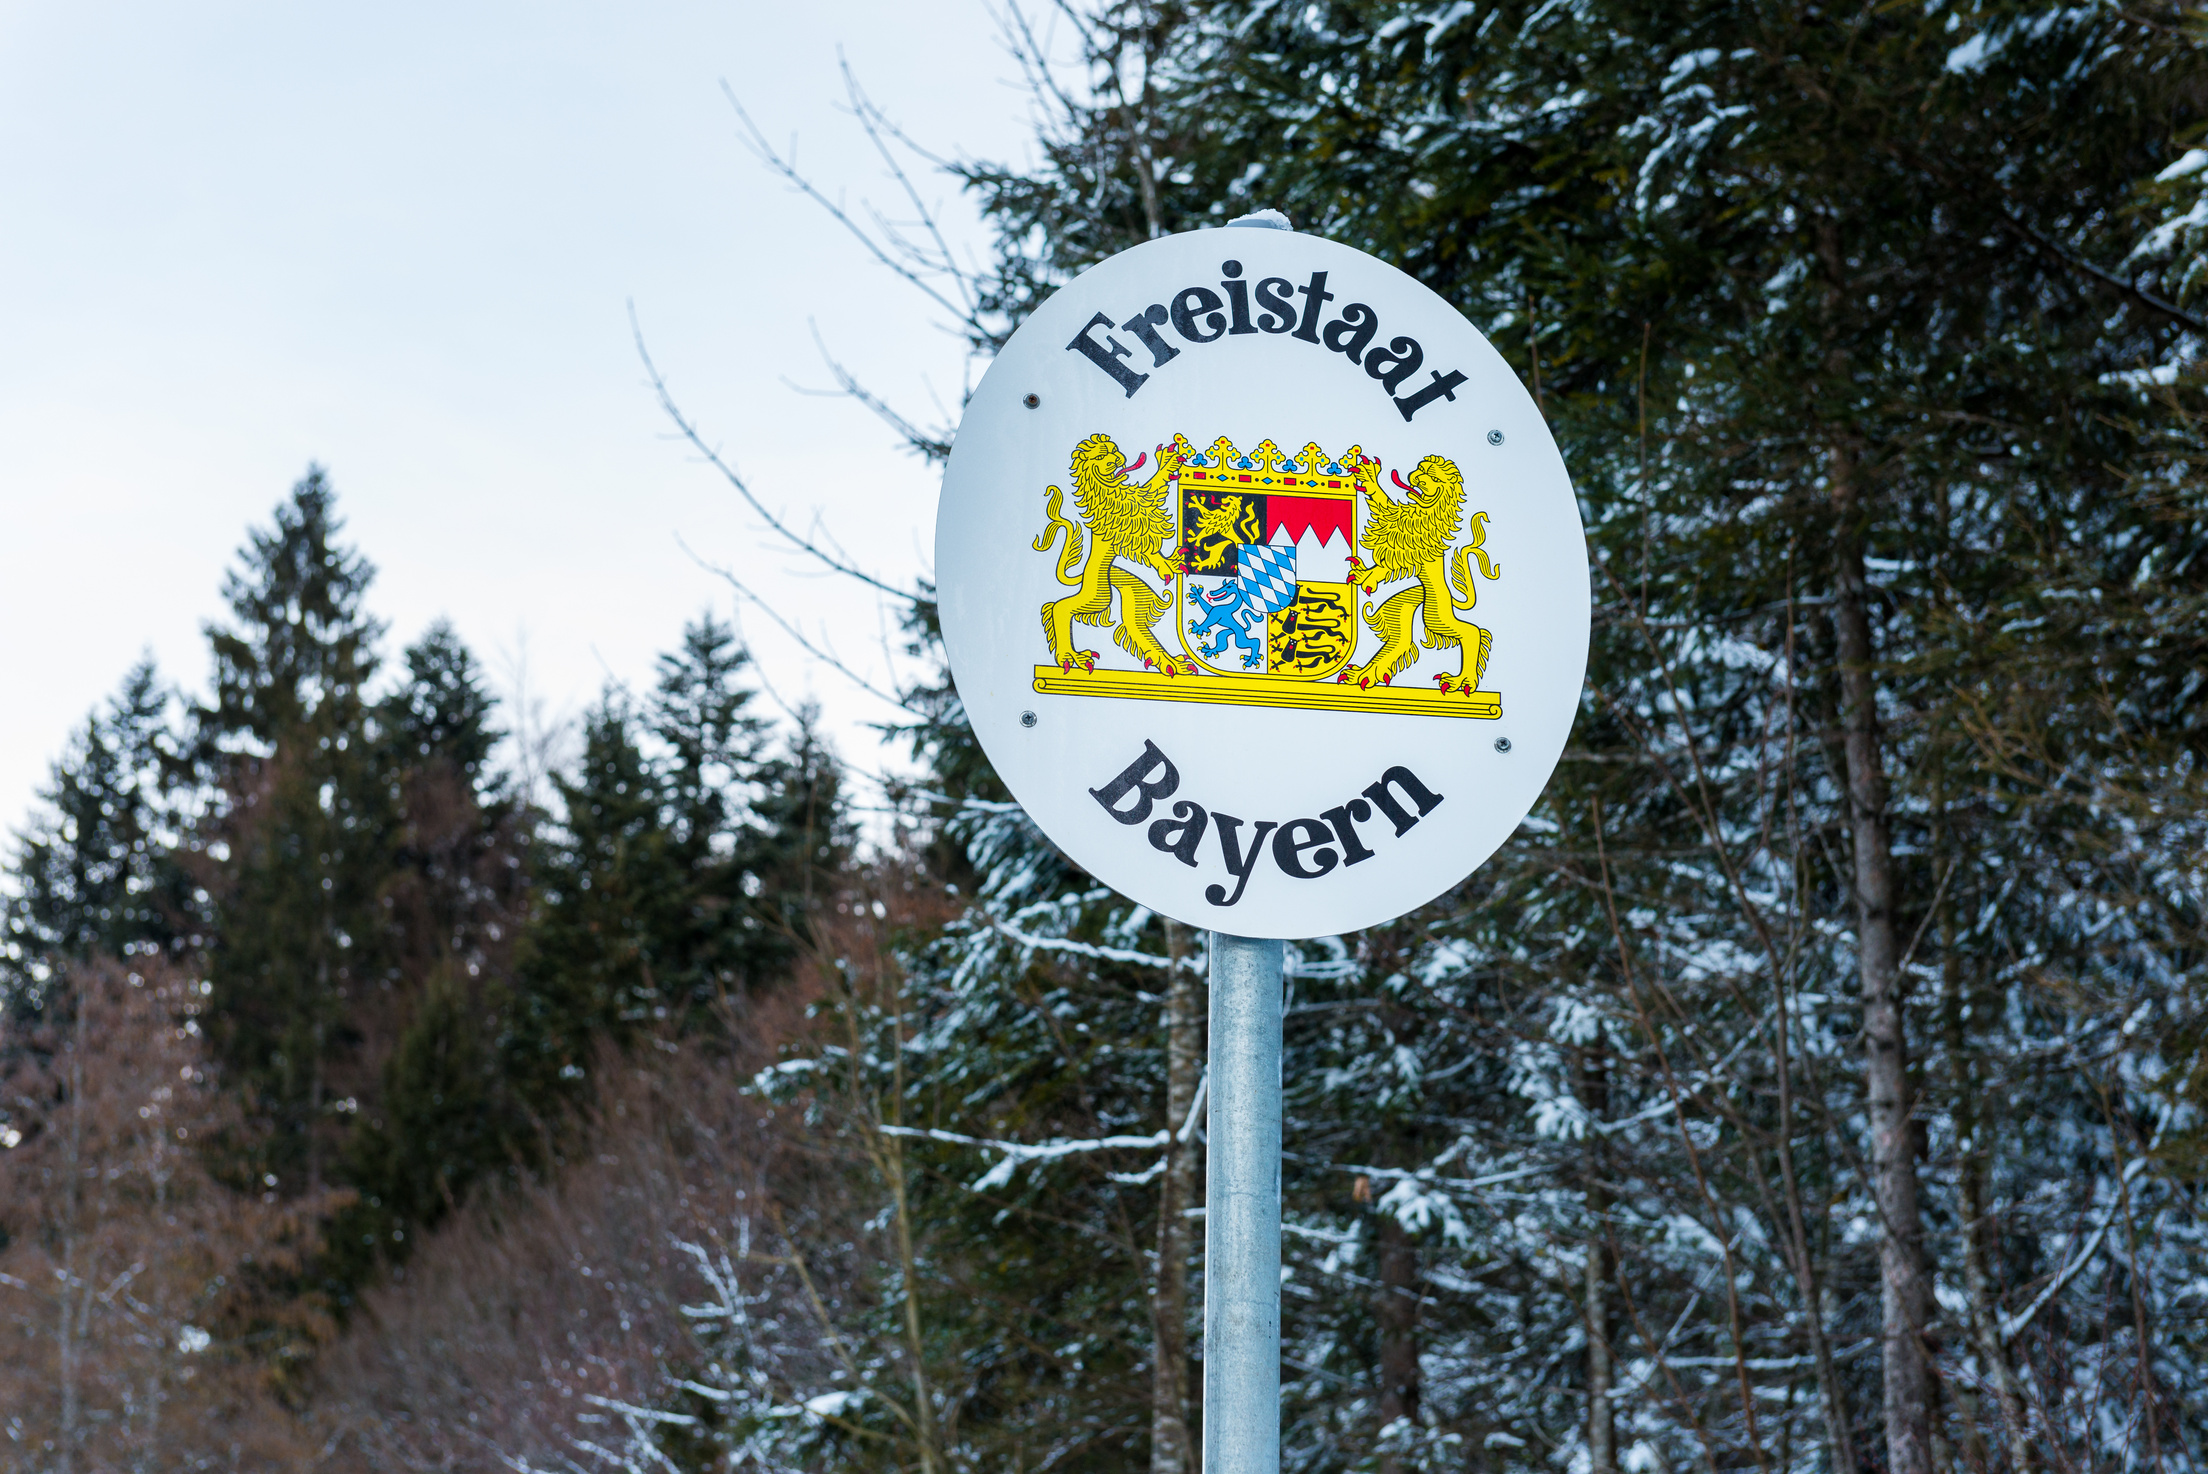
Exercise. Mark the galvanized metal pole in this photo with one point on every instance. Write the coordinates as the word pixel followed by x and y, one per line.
pixel 1242 1210
pixel 1242 1188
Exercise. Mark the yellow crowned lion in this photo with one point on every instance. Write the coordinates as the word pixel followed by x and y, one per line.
pixel 1411 539
pixel 1124 520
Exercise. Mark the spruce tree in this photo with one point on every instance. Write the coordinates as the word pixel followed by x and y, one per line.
pixel 303 843
pixel 441 715
pixel 443 1120
pixel 97 874
pixel 800 843
pixel 717 942
pixel 445 1114
pixel 603 882
pixel 456 892
pixel 1835 319
pixel 678 880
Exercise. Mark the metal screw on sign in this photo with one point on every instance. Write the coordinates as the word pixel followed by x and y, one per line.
pixel 1032 400
pixel 1027 719
pixel 1494 437
pixel 1502 744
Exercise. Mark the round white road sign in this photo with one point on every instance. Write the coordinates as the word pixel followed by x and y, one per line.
pixel 1263 583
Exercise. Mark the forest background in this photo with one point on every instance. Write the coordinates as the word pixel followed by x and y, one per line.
pixel 1814 1082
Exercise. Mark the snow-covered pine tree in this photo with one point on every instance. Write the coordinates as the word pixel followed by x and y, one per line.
pixel 1806 976
pixel 1892 740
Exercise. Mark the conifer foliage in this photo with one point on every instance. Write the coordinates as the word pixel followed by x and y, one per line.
pixel 1727 1102
pixel 98 873
pixel 690 856
pixel 304 833
pixel 401 973
pixel 1814 1084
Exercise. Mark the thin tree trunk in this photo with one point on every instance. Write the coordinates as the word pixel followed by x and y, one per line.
pixel 2151 1416
pixel 147 1447
pixel 315 1077
pixel 1602 1421
pixel 1984 1324
pixel 1903 1300
pixel 72 1318
pixel 1985 1330
pixel 1602 1424
pixel 890 1159
pixel 1147 177
pixel 1832 1394
pixel 908 1265
pixel 1145 161
pixel 1397 1314
pixel 1172 1447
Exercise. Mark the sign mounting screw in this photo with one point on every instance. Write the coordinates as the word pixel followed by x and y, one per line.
pixel 1032 400
pixel 1494 437
pixel 1027 719
pixel 1502 744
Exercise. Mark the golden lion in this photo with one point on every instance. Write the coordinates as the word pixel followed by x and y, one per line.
pixel 1411 539
pixel 1124 521
pixel 1218 529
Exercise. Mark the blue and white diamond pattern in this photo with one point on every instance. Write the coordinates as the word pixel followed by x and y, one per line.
pixel 1269 573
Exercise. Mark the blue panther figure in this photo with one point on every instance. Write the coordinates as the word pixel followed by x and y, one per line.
pixel 1223 613
pixel 1265 583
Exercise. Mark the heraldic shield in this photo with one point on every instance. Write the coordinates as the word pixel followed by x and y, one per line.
pixel 1280 571
pixel 1267 546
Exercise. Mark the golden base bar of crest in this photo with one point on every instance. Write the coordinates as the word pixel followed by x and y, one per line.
pixel 1288 691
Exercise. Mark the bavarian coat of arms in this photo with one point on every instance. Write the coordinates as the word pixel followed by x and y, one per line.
pixel 1294 581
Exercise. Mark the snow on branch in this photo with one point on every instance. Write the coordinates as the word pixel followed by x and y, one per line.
pixel 1016 1152
pixel 1086 949
pixel 2011 1325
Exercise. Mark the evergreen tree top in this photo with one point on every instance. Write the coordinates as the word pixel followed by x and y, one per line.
pixel 442 711
pixel 96 873
pixel 300 639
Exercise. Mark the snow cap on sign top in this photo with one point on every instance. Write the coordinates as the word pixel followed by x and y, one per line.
pixel 1262 582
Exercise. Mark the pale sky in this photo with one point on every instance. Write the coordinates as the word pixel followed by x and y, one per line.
pixel 400 240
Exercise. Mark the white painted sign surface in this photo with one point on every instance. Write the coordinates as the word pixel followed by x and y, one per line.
pixel 1263 583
